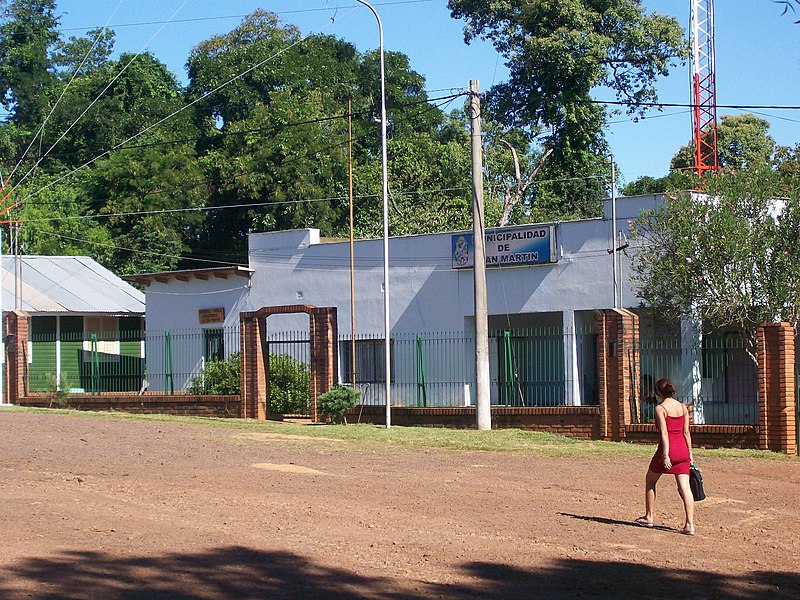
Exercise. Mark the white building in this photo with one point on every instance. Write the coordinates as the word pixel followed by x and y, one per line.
pixel 431 295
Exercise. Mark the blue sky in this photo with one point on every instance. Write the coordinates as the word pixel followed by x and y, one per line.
pixel 757 56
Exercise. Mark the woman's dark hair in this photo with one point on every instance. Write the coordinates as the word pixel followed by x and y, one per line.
pixel 664 388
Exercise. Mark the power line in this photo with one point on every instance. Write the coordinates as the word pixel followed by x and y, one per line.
pixel 97 98
pixel 682 105
pixel 273 128
pixel 226 17
pixel 289 160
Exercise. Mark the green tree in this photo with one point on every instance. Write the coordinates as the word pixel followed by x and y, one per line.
pixel 149 198
pixel 730 258
pixel 676 180
pixel 558 53
pixel 28 28
pixel 743 141
pixel 56 220
pixel 277 137
pixel 111 103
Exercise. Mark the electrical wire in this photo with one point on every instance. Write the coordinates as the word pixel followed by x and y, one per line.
pixel 226 17
pixel 97 98
pixel 288 161
pixel 63 92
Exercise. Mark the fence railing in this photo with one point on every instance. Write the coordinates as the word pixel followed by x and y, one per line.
pixel 528 367
pixel 717 377
pixel 125 361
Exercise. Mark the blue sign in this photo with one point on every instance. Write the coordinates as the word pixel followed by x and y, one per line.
pixel 528 245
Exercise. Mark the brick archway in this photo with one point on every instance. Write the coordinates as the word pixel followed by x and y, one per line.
pixel 324 339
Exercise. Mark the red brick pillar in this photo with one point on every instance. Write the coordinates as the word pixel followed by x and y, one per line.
pixel 777 406
pixel 324 354
pixel 254 365
pixel 618 366
pixel 16 331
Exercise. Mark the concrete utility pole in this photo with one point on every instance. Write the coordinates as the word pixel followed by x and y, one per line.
pixel 479 268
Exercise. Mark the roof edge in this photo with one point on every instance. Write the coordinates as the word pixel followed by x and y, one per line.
pixel 188 274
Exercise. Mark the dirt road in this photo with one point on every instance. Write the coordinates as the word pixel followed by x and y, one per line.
pixel 118 508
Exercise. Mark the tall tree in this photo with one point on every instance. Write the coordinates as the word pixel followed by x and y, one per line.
pixel 277 140
pixel 558 52
pixel 28 28
pixel 57 220
pixel 743 142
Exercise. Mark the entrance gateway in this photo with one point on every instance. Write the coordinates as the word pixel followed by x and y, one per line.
pixel 324 339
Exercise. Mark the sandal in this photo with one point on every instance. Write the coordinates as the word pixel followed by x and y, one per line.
pixel 643 522
pixel 687 531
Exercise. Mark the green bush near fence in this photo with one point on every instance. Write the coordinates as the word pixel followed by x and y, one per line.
pixel 220 377
pixel 335 403
pixel 289 382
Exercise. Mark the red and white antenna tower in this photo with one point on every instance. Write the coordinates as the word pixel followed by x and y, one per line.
pixel 704 89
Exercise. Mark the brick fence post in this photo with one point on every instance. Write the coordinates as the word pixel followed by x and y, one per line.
pixel 324 354
pixel 254 365
pixel 618 368
pixel 777 400
pixel 16 330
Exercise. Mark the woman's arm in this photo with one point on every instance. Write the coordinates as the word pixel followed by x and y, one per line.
pixel 686 434
pixel 661 423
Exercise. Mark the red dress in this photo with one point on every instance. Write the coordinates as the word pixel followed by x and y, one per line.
pixel 678 450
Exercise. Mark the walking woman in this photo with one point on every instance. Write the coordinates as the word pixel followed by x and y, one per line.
pixel 674 455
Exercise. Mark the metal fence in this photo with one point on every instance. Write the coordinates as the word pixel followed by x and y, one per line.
pixel 86 362
pixel 528 367
pixel 718 377
pixel 176 358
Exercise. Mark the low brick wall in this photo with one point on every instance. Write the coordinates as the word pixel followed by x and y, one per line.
pixel 703 436
pixel 580 422
pixel 148 403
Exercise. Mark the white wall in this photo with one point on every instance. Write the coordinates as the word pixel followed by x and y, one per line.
pixel 174 306
pixel 426 293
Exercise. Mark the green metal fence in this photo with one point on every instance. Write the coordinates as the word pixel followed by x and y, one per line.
pixel 69 358
pixel 528 367
pixel 176 358
pixel 718 377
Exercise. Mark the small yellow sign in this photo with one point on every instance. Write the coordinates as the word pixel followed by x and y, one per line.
pixel 211 315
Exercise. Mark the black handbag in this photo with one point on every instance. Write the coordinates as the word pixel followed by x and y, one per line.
pixel 696 483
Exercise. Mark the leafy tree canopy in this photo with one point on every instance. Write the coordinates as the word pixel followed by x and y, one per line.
pixel 729 257
pixel 558 52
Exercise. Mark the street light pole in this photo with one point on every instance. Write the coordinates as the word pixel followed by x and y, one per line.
pixel 614 236
pixel 385 175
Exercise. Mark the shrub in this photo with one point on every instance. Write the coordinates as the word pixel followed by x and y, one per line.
pixel 220 377
pixel 58 390
pixel 335 403
pixel 289 384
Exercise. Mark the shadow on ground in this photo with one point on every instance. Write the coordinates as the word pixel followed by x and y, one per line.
pixel 237 572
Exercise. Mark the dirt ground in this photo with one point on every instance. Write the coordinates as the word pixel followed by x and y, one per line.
pixel 116 508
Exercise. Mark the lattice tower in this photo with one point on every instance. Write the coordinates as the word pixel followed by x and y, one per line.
pixel 704 90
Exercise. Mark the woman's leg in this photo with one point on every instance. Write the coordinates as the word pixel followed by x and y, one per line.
pixel 650 494
pixel 688 502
